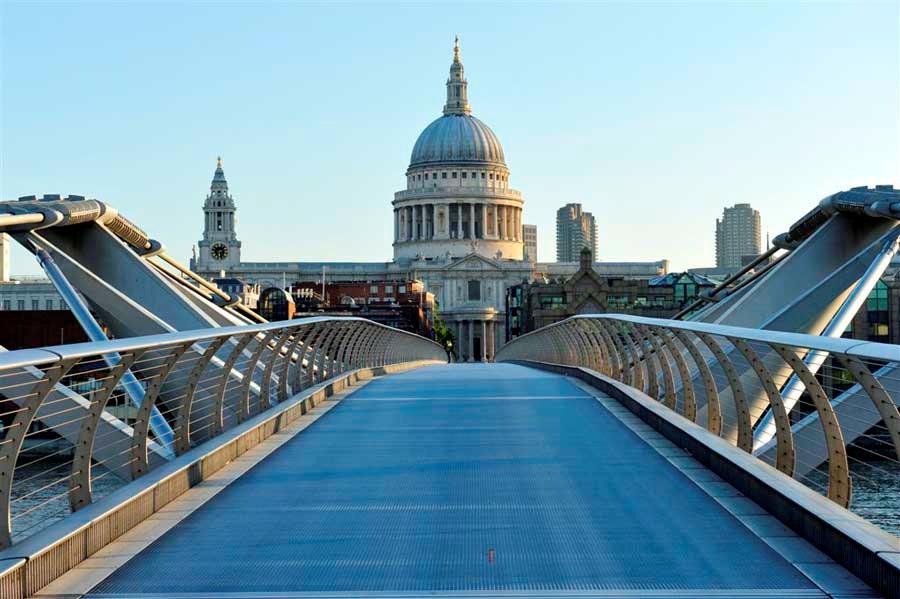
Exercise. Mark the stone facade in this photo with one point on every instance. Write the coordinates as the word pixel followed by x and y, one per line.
pixel 530 306
pixel 457 229
pixel 31 294
pixel 4 257
pixel 219 249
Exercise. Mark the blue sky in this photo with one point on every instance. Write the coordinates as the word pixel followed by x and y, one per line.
pixel 652 115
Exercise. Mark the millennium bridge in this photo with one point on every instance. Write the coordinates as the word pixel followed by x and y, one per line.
pixel 712 455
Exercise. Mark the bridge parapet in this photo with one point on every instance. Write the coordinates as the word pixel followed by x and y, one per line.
pixel 70 433
pixel 726 378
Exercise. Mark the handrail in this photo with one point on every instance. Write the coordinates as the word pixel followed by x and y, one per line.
pixel 203 382
pixel 743 372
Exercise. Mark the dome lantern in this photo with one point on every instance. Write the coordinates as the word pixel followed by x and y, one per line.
pixel 457 86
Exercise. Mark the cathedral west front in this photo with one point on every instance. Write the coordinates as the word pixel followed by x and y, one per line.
pixel 457 228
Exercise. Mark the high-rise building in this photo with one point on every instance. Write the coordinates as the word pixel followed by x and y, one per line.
pixel 529 234
pixel 738 234
pixel 575 230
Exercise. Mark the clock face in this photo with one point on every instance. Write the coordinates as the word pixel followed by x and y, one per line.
pixel 219 251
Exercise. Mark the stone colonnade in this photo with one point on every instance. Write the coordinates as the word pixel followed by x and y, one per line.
pixel 489 335
pixel 464 220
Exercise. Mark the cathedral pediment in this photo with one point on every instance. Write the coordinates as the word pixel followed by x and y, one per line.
pixel 474 262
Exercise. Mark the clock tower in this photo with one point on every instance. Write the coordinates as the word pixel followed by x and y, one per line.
pixel 219 249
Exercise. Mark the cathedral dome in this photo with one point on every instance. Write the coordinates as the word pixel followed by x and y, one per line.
pixel 457 138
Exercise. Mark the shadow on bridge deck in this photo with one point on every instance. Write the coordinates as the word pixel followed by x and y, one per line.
pixel 488 477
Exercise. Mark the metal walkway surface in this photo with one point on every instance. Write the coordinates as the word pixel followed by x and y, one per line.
pixel 465 479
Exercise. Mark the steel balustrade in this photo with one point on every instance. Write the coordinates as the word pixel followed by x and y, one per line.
pixel 644 352
pixel 204 382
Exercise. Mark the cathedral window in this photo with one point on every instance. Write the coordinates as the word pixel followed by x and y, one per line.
pixel 454 174
pixel 474 290
pixel 443 175
pixel 465 175
pixel 491 176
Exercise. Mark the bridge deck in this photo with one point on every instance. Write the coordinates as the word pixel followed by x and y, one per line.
pixel 462 478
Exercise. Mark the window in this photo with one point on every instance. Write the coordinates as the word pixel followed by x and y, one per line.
pixel 373 290
pixel 474 290
pixel 48 305
pixel 389 289
pixel 454 174
pixel 877 313
pixel 878 298
pixel 434 175
pixel 491 176
pixel 482 174
pixel 35 304
pixel 62 305
pixel 465 175
pixel 617 301
pixel 640 300
pixel 443 175
pixel 20 305
pixel 401 289
pixel 552 302
pixel 7 305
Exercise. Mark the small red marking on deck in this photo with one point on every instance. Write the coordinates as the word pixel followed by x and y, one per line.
pixel 491 555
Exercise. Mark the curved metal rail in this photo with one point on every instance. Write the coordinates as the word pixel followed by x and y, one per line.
pixel 716 366
pixel 68 434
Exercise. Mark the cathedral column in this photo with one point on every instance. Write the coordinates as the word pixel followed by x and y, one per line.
pixel 471 221
pixel 496 223
pixel 396 226
pixel 484 341
pixel 459 229
pixel 492 330
pixel 429 232
pixel 459 340
pixel 484 221
pixel 517 222
pixel 471 341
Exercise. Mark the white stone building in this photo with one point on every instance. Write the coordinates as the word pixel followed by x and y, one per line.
pixel 457 228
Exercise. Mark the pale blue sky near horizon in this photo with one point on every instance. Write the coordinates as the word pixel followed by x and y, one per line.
pixel 653 115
